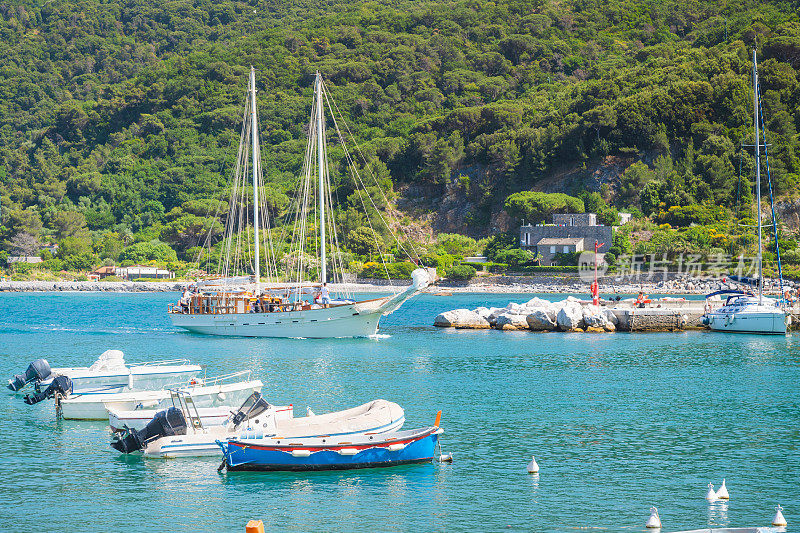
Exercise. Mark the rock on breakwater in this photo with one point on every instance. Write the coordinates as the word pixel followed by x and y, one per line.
pixel 573 314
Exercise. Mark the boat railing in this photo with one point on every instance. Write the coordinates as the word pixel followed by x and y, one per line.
pixel 241 375
pixel 164 362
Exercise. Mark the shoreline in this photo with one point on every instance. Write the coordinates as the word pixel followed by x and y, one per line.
pixel 516 286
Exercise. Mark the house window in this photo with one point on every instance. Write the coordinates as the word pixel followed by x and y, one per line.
pixel 527 239
pixel 552 249
pixel 566 249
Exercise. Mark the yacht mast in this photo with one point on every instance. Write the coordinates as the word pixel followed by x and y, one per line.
pixel 758 175
pixel 254 131
pixel 320 163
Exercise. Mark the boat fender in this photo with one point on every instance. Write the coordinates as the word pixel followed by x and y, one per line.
pixel 38 370
pixel 61 385
pixel 167 423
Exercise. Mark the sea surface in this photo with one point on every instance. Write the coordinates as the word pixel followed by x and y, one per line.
pixel 618 423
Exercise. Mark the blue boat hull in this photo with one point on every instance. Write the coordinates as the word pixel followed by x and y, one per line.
pixel 419 448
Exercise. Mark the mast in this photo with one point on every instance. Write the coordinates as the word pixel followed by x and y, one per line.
pixel 758 175
pixel 320 163
pixel 254 131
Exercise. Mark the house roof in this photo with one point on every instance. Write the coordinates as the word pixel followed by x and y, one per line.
pixel 549 241
pixel 105 270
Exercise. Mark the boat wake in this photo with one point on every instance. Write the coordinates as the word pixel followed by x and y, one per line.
pixel 379 336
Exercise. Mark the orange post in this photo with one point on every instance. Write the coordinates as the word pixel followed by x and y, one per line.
pixel 255 526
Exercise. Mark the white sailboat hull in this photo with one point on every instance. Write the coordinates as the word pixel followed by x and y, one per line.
pixel 768 322
pixel 350 320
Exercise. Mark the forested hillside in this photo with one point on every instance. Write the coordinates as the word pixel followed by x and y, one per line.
pixel 120 120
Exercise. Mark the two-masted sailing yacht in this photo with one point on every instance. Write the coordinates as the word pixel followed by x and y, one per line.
pixel 233 304
pixel 744 312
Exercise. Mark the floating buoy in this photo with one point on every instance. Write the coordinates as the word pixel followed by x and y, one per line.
pixel 446 458
pixel 779 520
pixel 722 493
pixel 711 495
pixel 309 412
pixel 654 522
pixel 533 466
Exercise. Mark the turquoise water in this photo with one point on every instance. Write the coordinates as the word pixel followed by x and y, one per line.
pixel 618 422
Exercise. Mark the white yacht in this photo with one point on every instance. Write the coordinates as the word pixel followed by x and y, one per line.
pixel 744 312
pixel 236 301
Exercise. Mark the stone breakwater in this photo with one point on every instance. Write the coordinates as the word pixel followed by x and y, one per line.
pixel 575 315
pixel 90 286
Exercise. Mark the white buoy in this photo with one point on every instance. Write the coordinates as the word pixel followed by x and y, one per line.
pixel 654 522
pixel 722 493
pixel 446 458
pixel 711 495
pixel 779 520
pixel 309 412
pixel 533 466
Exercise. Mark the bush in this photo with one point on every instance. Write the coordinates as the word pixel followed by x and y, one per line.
pixel 460 272
pixel 496 268
pixel 388 271
pixel 141 252
pixel 515 257
pixel 79 262
pixel 54 265
pixel 477 266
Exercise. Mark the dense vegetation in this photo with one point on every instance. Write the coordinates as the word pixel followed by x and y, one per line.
pixel 119 120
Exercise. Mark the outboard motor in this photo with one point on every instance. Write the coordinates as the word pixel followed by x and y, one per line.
pixel 166 423
pixel 38 370
pixel 254 405
pixel 60 385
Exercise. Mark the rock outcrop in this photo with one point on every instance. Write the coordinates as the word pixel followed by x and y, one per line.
pixel 461 319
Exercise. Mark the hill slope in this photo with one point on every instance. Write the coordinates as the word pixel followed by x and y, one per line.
pixel 122 116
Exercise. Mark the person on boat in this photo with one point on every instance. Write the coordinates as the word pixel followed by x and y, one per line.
pixel 324 295
pixel 185 300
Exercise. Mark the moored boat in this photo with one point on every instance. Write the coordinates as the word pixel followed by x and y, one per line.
pixel 257 418
pixel 109 373
pixel 213 392
pixel 366 450
pixel 236 302
pixel 745 312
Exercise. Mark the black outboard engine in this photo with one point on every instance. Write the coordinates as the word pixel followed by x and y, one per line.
pixel 60 385
pixel 166 423
pixel 254 405
pixel 38 370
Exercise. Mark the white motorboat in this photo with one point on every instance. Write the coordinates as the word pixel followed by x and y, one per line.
pixel 238 303
pixel 172 434
pixel 109 373
pixel 744 312
pixel 137 419
pixel 214 392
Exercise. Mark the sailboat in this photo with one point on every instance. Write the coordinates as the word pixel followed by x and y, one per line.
pixel 743 311
pixel 233 304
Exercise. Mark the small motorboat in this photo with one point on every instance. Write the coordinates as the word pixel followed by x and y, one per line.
pixel 331 452
pixel 109 373
pixel 137 419
pixel 212 392
pixel 256 417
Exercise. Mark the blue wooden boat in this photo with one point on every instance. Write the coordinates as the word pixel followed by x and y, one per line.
pixel 366 450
